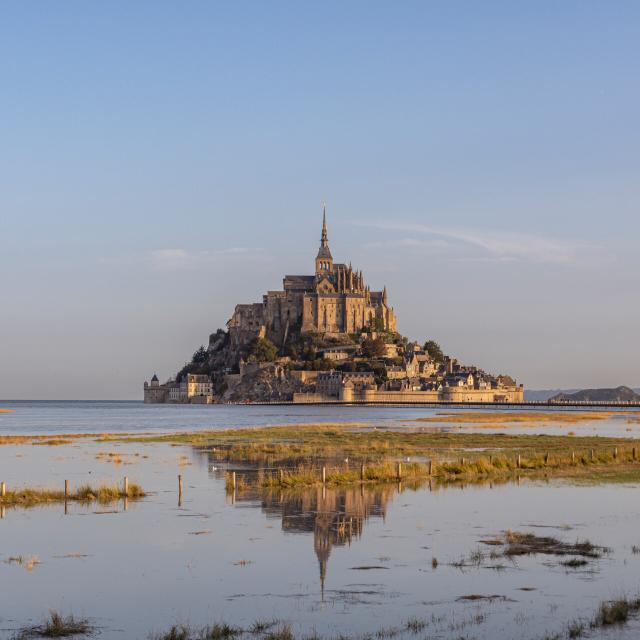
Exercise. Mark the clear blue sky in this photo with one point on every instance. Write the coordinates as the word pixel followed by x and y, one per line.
pixel 160 162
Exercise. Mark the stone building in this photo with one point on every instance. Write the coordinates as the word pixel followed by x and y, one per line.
pixel 199 388
pixel 154 392
pixel 194 389
pixel 334 301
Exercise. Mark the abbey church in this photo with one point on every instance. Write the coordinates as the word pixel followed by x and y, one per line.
pixel 333 302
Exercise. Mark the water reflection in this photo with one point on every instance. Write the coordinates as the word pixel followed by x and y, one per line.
pixel 335 516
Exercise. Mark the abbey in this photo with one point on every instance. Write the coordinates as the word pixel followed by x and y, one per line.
pixel 334 301
pixel 323 338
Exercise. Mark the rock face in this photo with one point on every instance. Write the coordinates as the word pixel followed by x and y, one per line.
pixel 263 385
pixel 619 394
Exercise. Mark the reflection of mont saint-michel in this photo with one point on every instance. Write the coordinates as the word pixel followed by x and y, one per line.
pixel 336 517
pixel 325 337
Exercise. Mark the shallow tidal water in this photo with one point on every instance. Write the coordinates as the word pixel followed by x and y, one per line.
pixel 60 417
pixel 336 561
pixel 302 557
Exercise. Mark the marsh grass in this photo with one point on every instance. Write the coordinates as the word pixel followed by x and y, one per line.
pixel 176 632
pixel 574 563
pixel 415 625
pixel 518 417
pixel 513 544
pixel 58 626
pixel 48 439
pixel 216 631
pixel 446 465
pixel 299 450
pixel 282 632
pixel 29 497
pixel 616 612
pixel 520 544
pixel 306 440
pixel 261 626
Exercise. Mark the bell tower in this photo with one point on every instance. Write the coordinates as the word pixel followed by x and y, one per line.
pixel 324 259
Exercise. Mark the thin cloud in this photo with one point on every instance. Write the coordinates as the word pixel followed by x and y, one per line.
pixel 502 246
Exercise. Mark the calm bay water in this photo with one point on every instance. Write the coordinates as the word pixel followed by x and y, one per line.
pixel 348 560
pixel 53 417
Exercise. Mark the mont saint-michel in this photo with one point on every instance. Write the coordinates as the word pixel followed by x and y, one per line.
pixel 325 337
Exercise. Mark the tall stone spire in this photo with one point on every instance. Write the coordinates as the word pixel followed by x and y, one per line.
pixel 324 242
pixel 324 260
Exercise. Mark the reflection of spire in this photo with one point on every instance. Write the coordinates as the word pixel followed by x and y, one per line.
pixel 322 547
pixel 334 516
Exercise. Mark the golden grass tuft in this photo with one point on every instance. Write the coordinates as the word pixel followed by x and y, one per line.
pixel 518 417
pixel 29 497
pixel 58 626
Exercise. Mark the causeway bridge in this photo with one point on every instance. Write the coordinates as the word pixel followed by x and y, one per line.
pixel 533 404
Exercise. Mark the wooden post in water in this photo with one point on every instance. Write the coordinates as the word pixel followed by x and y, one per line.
pixel 430 467
pixel 233 480
pixel 324 474
pixel 3 489
pixel 66 489
pixel 362 472
pixel 125 484
pixel 399 471
pixel 519 461
pixel 634 454
pixel 180 488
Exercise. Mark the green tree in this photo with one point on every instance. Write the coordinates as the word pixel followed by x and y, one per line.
pixel 200 356
pixel 373 348
pixel 262 350
pixel 434 351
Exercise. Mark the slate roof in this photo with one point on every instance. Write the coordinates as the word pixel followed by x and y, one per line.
pixel 299 282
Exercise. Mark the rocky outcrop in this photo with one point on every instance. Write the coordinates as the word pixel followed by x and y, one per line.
pixel 261 385
pixel 619 394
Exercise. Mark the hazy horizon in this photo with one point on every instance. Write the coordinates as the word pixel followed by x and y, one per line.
pixel 162 163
